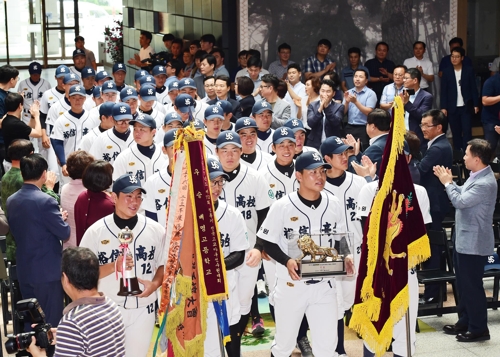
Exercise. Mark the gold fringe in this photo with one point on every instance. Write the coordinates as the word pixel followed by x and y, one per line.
pixel 418 251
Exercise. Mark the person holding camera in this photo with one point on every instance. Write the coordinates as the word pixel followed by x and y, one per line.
pixel 92 324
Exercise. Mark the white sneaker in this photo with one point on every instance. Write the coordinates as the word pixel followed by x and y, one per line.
pixel 261 288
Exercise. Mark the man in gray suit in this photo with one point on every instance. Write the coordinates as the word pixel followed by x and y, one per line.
pixel 281 108
pixel 474 203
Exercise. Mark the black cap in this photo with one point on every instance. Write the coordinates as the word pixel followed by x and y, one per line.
pixel 310 160
pixel 333 145
pixel 127 183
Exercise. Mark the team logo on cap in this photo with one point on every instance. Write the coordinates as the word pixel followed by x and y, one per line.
pixel 196 122
pixel 77 88
pixel 175 84
pixel 284 131
pixel 123 110
pixel 219 104
pixel 88 70
pixel 150 91
pixel 316 157
pixel 215 110
pixel 105 73
pixel 295 122
pixel 186 81
pixel 264 104
pixel 229 136
pixel 63 69
pixel 120 65
pixel 174 115
pixel 187 101
pixel 72 75
pixel 140 116
pixel 148 79
pixel 129 91
pixel 35 67
pixel 132 179
pixel 160 69
pixel 246 122
pixel 215 165
pixel 110 85
pixel 339 141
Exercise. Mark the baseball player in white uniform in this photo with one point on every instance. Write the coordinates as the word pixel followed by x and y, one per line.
pixel 365 199
pixel 188 86
pixel 143 158
pixel 160 74
pixel 147 99
pixel 234 243
pixel 146 261
pixel 107 122
pixel 109 144
pixel 109 93
pixel 32 89
pixel 158 185
pixel 79 62
pixel 246 190
pixel 227 107
pixel 129 95
pixel 147 79
pixel 173 92
pixel 300 136
pixel 346 187
pixel 253 156
pixel 262 112
pixel 119 73
pixel 214 116
pixel 88 80
pixel 63 105
pixel 172 121
pixel 101 77
pixel 306 211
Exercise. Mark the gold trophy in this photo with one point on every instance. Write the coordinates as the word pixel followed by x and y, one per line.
pixel 129 285
pixel 324 261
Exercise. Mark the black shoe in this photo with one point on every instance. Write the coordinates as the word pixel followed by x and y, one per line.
pixel 473 337
pixel 454 329
pixel 428 301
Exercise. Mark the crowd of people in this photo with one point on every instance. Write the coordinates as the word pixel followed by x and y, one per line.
pixel 291 150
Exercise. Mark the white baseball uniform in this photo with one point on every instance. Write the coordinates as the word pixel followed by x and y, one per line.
pixel 56 110
pixel 132 162
pixel 163 97
pixel 107 146
pixel 168 108
pixel 316 298
pixel 157 116
pixel 89 139
pixel 266 145
pixel 365 199
pixel 148 249
pixel 49 97
pixel 261 159
pixel 159 107
pixel 248 193
pixel 157 193
pixel 209 147
pixel 72 69
pixel 31 92
pixel 199 110
pixel 347 193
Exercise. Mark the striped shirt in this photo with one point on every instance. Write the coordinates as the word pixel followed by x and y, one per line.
pixel 91 327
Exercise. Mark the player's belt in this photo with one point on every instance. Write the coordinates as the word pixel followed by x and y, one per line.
pixel 312 281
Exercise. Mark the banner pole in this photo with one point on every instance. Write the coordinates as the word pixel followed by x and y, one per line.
pixel 408 338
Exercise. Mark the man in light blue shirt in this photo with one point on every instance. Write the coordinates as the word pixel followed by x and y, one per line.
pixel 358 103
pixel 347 73
pixel 392 89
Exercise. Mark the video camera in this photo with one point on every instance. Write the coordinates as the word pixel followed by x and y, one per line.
pixel 42 333
pixel 157 59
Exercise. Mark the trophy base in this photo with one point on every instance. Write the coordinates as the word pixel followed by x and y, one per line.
pixel 131 289
pixel 308 269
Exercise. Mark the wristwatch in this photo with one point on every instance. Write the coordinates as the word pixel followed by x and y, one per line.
pixel 446 184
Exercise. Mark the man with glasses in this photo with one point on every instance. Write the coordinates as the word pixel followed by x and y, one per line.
pixel 393 89
pixel 416 102
pixel 209 85
pixel 109 144
pixel 281 108
pixel 438 153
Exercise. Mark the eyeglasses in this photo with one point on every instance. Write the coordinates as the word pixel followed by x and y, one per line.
pixel 219 183
pixel 426 126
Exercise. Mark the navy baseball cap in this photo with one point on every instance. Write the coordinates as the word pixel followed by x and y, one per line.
pixel 406 148
pixel 106 109
pixel 245 123
pixel 127 183
pixel 147 93
pixel 215 168
pixel 88 72
pixel 119 67
pixel 157 70
pixel 139 74
pixel 128 93
pixel 174 85
pixel 96 92
pixel 282 134
pixel 77 89
pixel 121 111
pixel 35 68
pixel 169 138
pixel 79 52
pixel 109 86
pixel 225 105
pixel 184 102
pixel 70 77
pixel 226 138
pixel 492 263
pixel 145 120
pixel 261 106
pixel 295 125
pixel 102 75
pixel 171 117
pixel 187 83
pixel 333 145
pixel 214 111
pixel 198 124
pixel 147 80
pixel 310 160
pixel 61 71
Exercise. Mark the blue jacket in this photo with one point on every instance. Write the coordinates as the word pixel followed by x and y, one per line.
pixel 467 88
pixel 36 222
pixel 374 152
pixel 439 153
pixel 421 104
pixel 334 114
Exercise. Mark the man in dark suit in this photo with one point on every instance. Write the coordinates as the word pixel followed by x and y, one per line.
pixel 39 227
pixel 474 241
pixel 415 104
pixel 377 128
pixel 459 98
pixel 438 153
pixel 222 88
pixel 324 116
